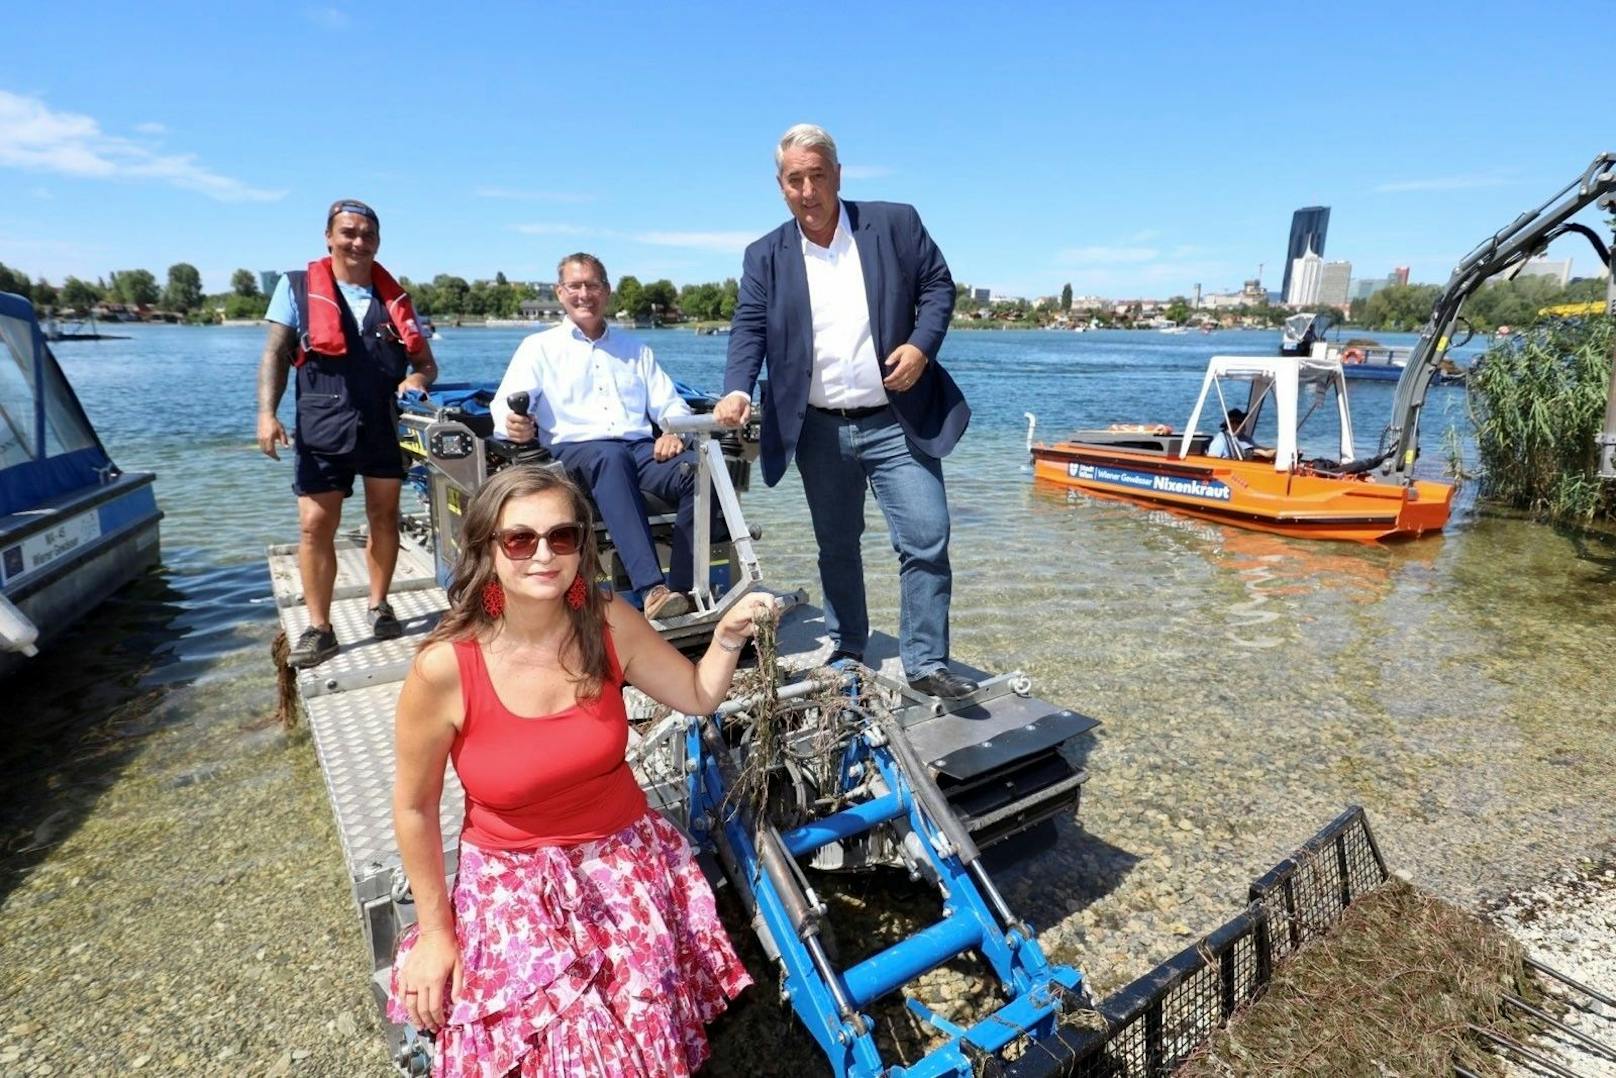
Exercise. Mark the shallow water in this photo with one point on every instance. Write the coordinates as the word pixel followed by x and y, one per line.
pixel 1250 686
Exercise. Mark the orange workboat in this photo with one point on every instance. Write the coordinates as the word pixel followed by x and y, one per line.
pixel 1226 477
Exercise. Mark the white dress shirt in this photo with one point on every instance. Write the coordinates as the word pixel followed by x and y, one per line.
pixel 847 372
pixel 584 390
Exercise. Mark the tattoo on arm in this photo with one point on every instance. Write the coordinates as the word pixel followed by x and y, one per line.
pixel 275 365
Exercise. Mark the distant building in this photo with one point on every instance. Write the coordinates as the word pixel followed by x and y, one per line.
pixel 1559 272
pixel 981 295
pixel 1363 289
pixel 541 309
pixel 1334 280
pixel 1305 274
pixel 1308 227
pixel 267 280
pixel 1221 301
pixel 1398 275
pixel 1000 297
pixel 1252 293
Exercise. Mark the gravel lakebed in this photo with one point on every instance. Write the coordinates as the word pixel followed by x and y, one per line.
pixel 173 898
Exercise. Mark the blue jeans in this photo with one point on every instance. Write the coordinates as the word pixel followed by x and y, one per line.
pixel 614 471
pixel 837 458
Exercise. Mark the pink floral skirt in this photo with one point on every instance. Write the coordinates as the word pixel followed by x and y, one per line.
pixel 604 958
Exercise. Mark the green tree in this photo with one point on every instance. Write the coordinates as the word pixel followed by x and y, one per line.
pixel 1066 297
pixel 44 293
pixel 451 293
pixel 1399 307
pixel 244 282
pixel 245 307
pixel 1178 310
pixel 1586 290
pixel 631 297
pixel 184 291
pixel 13 280
pixel 703 302
pixel 731 295
pixel 136 287
pixel 661 297
pixel 80 295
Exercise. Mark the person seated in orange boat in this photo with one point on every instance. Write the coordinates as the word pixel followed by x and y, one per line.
pixel 1234 441
pixel 580 937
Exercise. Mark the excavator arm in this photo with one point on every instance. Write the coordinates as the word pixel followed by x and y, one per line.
pixel 1507 250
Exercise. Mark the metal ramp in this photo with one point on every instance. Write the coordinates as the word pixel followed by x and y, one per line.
pixel 349 701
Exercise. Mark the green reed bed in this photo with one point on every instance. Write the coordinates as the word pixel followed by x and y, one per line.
pixel 1539 403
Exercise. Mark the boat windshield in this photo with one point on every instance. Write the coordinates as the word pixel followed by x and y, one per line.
pixel 46 441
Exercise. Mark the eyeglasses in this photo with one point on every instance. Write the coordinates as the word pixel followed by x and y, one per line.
pixel 519 544
pixel 577 287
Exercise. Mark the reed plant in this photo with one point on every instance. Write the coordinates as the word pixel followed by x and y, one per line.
pixel 1538 401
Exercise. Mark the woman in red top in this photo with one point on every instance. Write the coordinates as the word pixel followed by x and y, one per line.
pixel 581 937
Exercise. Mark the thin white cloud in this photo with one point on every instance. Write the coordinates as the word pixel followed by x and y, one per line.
pixel 722 242
pixel 328 17
pixel 532 196
pixel 550 229
pixel 1107 255
pixel 151 127
pixel 866 172
pixel 36 137
pixel 1445 183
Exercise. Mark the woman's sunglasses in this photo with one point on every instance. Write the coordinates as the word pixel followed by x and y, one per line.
pixel 520 544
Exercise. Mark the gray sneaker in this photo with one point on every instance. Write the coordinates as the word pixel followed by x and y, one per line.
pixel 384 625
pixel 314 647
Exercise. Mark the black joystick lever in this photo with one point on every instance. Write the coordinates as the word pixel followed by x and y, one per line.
pixel 519 402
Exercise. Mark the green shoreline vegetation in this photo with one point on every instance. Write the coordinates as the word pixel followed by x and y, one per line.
pixel 1399 308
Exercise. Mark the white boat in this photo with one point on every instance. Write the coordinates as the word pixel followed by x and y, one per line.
pixel 73 527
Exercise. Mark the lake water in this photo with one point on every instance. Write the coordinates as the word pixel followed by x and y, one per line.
pixel 1249 685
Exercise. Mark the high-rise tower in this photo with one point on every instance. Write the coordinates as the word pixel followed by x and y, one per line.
pixel 1308 226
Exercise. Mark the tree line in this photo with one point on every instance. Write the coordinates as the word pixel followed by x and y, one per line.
pixel 445 295
pixel 181 295
pixel 1407 307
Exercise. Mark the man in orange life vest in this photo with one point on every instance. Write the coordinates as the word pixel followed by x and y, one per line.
pixel 350 333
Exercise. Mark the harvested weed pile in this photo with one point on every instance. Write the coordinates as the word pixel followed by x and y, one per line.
pixel 1392 991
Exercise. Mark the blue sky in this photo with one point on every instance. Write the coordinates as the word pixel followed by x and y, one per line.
pixel 1128 149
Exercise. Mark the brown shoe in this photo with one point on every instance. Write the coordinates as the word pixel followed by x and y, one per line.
pixel 662 603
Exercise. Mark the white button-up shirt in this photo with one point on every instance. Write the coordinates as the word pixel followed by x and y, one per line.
pixel 584 390
pixel 847 372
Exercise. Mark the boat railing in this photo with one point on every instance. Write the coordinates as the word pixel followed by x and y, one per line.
pixel 1349 354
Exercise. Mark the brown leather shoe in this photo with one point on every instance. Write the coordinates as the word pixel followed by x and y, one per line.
pixel 662 603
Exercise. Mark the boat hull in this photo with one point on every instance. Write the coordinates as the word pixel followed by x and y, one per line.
pixel 61 560
pixel 1250 494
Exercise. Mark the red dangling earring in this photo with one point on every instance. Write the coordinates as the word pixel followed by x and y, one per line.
pixel 577 592
pixel 493 599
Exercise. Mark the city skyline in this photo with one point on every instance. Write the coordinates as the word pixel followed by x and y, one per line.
pixel 1035 159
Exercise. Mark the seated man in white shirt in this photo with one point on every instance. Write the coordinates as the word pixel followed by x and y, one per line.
pixel 595 392
pixel 1233 440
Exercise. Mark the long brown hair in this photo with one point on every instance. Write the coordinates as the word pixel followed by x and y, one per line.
pixel 466 618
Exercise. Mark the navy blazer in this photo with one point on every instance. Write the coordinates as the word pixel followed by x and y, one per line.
pixel 911 298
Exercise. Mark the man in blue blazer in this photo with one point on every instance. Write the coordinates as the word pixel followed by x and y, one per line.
pixel 847 305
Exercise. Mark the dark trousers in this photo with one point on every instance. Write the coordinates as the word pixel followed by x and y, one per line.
pixel 614 471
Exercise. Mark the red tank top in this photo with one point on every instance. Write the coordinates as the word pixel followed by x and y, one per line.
pixel 554 780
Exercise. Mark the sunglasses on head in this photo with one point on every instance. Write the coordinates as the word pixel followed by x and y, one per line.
pixel 522 543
